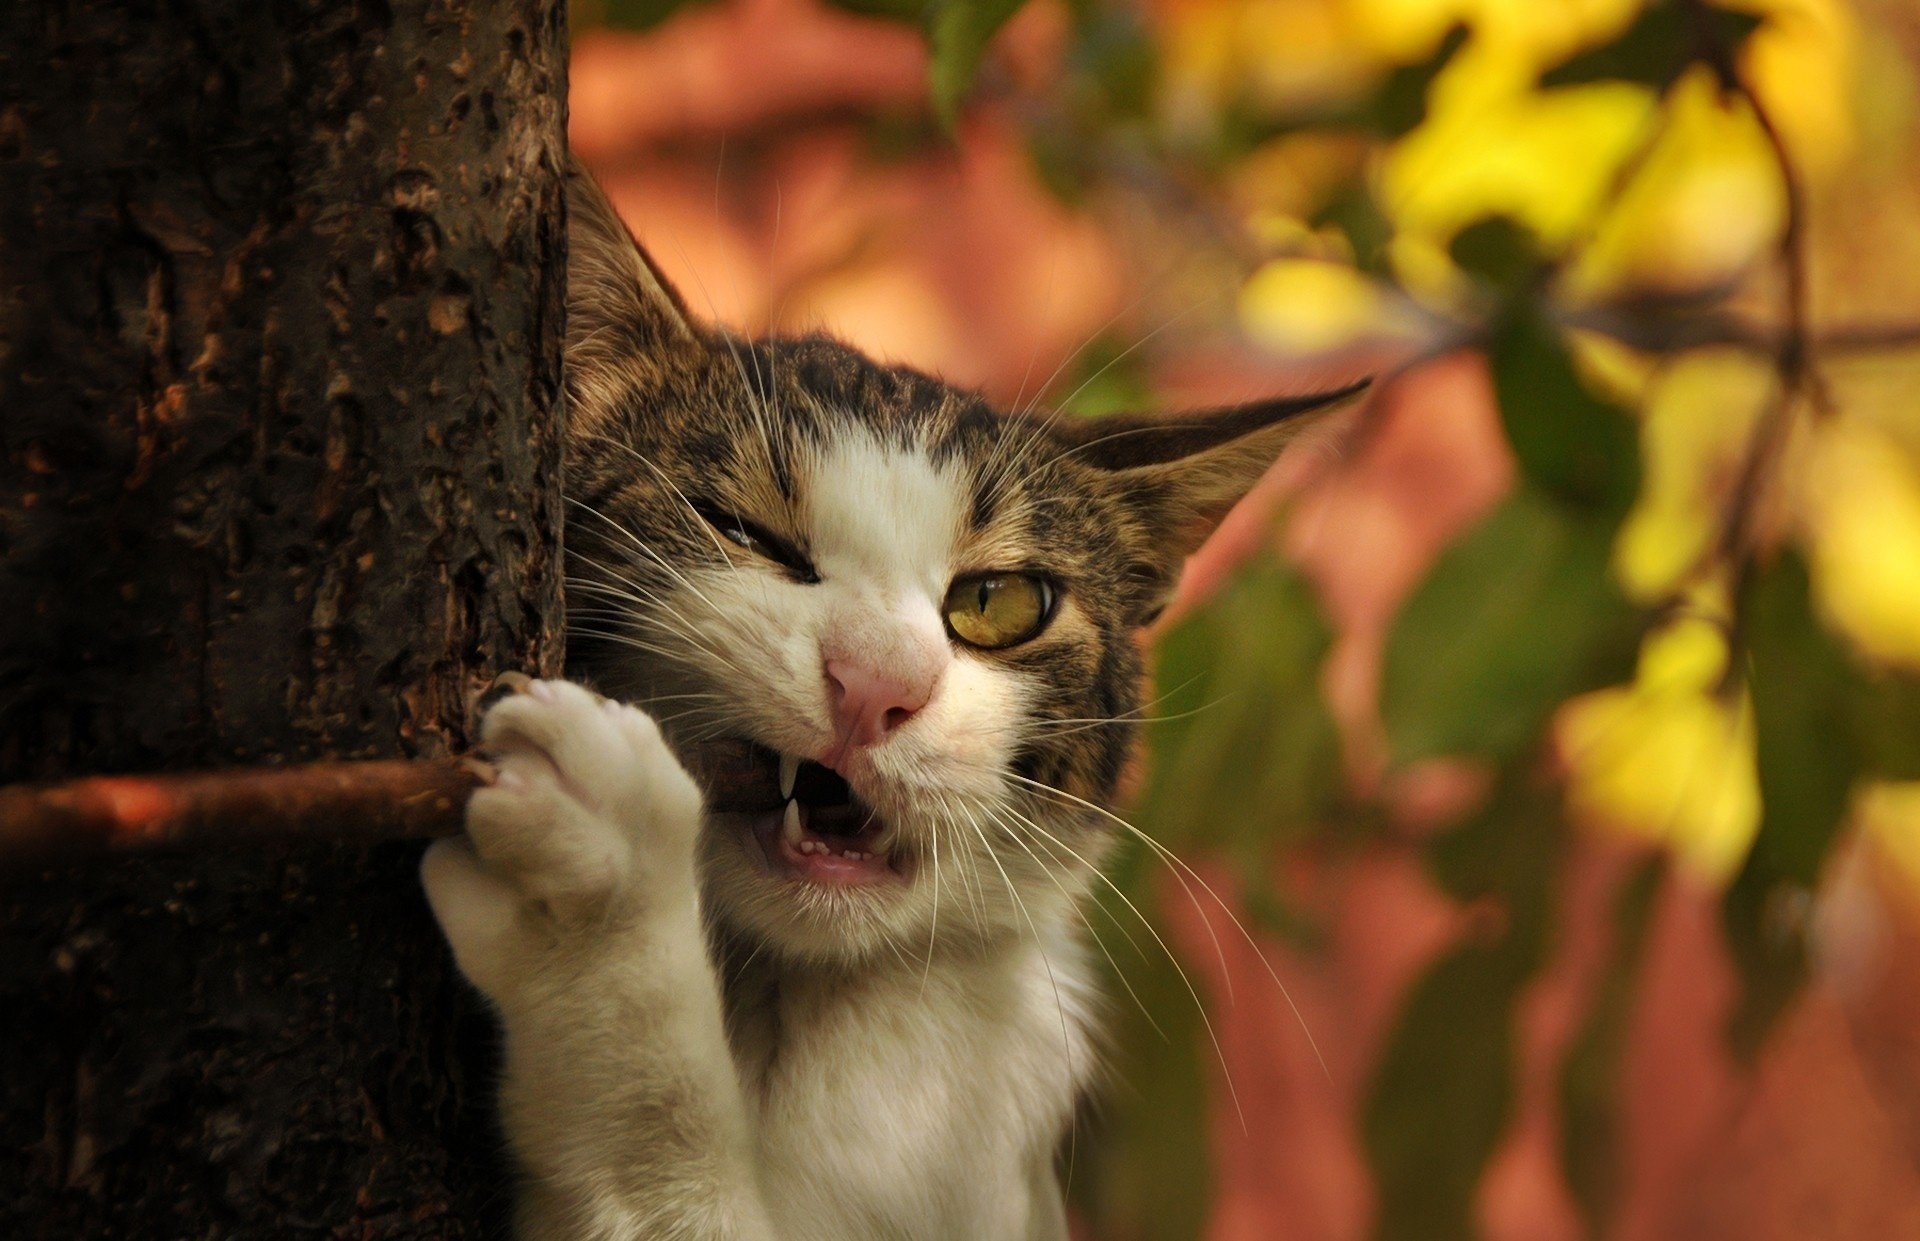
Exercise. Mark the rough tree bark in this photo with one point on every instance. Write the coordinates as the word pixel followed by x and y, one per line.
pixel 280 305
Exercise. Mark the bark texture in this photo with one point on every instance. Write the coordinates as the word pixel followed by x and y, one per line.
pixel 280 315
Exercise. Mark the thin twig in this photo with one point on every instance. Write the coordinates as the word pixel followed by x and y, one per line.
pixel 356 803
pixel 1793 356
pixel 1683 333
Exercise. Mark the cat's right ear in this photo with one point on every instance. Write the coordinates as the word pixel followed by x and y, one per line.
pixel 623 319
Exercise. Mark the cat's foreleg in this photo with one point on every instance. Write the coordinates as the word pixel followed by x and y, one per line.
pixel 572 904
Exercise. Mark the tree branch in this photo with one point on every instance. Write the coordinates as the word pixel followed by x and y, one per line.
pixel 358 803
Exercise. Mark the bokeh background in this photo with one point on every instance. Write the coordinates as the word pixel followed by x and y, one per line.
pixel 1533 760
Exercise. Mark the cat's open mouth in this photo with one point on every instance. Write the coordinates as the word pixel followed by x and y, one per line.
pixel 817 830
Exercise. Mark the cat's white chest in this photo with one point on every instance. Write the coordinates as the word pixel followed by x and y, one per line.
pixel 902 1110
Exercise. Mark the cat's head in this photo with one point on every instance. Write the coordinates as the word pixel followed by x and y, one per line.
pixel 920 611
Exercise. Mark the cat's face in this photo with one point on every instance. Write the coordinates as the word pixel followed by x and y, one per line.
pixel 920 612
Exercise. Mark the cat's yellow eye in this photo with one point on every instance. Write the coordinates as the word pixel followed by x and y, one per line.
pixel 994 610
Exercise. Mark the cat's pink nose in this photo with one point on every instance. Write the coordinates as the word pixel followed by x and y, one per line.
pixel 868 704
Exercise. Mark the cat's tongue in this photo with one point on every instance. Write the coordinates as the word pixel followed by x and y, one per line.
pixel 836 845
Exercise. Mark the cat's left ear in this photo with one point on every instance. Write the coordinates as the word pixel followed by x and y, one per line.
pixel 1186 472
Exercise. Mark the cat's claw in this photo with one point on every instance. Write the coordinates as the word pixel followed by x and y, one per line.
pixel 589 825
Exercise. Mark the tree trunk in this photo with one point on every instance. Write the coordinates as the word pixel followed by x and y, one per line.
pixel 280 316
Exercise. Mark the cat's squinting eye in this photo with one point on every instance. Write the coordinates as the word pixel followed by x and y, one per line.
pixel 995 610
pixel 757 539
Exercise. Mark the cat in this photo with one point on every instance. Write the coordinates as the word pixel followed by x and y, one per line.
pixel 859 1008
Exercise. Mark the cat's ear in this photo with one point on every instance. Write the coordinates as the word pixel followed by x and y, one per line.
pixel 1185 472
pixel 623 318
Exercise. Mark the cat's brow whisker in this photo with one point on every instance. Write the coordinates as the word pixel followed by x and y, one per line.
pixel 655 606
pixel 756 407
pixel 996 472
pixel 1062 405
pixel 987 469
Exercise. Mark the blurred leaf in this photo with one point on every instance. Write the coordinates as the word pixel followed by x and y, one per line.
pixel 1242 752
pixel 1107 376
pixel 1659 46
pixel 957 35
pixel 1246 752
pixel 1590 1076
pixel 1500 250
pixel 1400 104
pixel 1495 852
pixel 1515 617
pixel 1308 306
pixel 1887 711
pixel 1570 443
pixel 1113 56
pixel 1357 214
pixel 1803 689
pixel 1804 698
pixel 1143 1172
pixel 913 11
pixel 1442 1095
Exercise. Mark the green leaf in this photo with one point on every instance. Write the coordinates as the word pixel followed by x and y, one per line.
pixel 1804 688
pixel 1570 443
pixel 1357 214
pixel 1108 377
pixel 1242 753
pixel 1245 753
pixel 1141 1168
pixel 1443 1092
pixel 1887 719
pixel 1590 1141
pixel 957 35
pixel 1517 616
pixel 1809 753
pixel 1659 46
pixel 1400 104
pixel 1442 1096
pixel 1500 250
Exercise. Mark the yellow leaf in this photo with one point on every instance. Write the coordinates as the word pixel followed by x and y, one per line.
pixel 1543 158
pixel 1704 206
pixel 1305 306
pixel 1698 416
pixel 1890 817
pixel 1802 64
pixel 1861 522
pixel 1665 759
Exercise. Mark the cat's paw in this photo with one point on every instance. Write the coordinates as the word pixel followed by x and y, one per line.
pixel 589 827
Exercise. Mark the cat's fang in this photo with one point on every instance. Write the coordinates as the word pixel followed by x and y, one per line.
pixel 789 767
pixel 790 828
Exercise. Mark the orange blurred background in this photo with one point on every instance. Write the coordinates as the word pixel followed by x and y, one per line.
pixel 778 160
